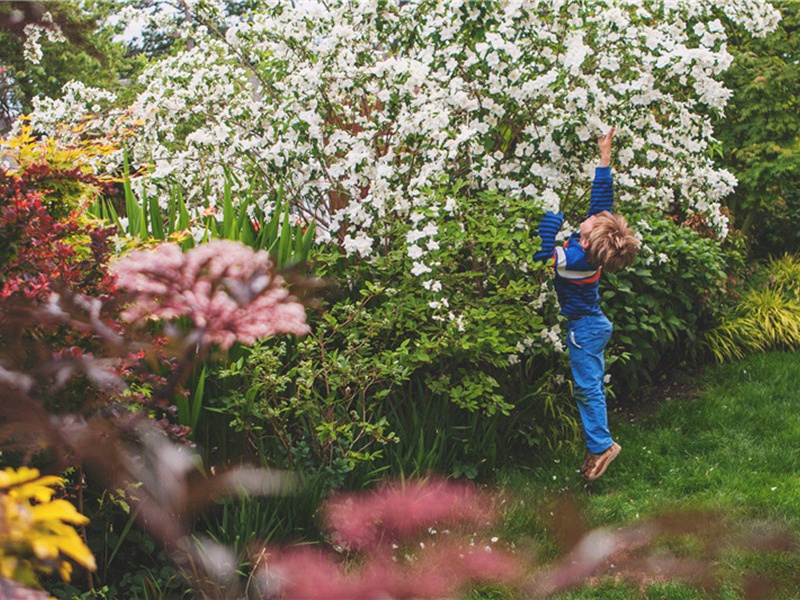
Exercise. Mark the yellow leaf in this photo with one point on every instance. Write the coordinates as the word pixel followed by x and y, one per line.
pixel 58 510
pixel 50 480
pixel 38 490
pixel 73 546
pixel 45 548
pixel 65 570
pixel 10 477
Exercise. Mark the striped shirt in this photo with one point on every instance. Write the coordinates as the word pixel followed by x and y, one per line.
pixel 577 283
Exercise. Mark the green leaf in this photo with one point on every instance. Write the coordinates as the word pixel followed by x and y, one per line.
pixel 156 219
pixel 132 208
pixel 184 410
pixel 197 400
pixel 285 245
pixel 229 230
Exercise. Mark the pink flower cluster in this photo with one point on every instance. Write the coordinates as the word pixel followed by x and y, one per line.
pixel 438 573
pixel 378 524
pixel 400 510
pixel 227 290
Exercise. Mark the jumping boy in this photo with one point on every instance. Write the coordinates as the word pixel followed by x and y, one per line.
pixel 603 242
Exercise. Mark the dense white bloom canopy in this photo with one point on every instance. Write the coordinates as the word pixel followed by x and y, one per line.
pixel 357 108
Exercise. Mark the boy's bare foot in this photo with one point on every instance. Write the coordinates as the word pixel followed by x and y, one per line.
pixel 596 464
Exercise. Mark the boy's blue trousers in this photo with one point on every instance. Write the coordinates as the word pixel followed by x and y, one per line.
pixel 587 337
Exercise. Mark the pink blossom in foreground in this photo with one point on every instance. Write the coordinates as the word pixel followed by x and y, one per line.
pixel 439 573
pixel 371 523
pixel 401 510
pixel 228 291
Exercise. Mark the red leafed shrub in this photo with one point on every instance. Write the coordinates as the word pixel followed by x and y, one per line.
pixel 39 252
pixel 48 246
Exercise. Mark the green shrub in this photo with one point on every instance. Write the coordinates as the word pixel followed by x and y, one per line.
pixel 664 303
pixel 785 271
pixel 337 398
pixel 766 317
pixel 776 231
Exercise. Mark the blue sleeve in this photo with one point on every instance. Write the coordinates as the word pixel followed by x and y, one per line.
pixel 548 228
pixel 602 196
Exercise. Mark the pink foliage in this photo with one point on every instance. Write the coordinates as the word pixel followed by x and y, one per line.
pixel 400 510
pixel 310 574
pixel 375 523
pixel 227 290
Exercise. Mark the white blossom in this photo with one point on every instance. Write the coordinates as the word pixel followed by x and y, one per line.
pixel 420 268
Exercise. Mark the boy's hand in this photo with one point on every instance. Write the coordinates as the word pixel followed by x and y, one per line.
pixel 604 142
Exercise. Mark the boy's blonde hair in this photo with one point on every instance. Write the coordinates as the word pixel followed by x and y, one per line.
pixel 612 244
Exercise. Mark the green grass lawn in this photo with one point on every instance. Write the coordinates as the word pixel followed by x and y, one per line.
pixel 731 451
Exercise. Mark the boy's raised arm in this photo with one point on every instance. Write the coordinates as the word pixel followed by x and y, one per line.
pixel 602 195
pixel 604 143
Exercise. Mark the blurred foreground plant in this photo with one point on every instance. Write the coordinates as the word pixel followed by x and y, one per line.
pixel 403 540
pixel 220 293
pixel 682 546
pixel 36 531
pixel 227 291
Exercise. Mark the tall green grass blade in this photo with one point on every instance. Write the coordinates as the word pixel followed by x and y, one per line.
pixel 285 245
pixel 132 208
pixel 247 233
pixel 273 248
pixel 308 239
pixel 105 211
pixel 297 232
pixel 183 214
pixel 156 219
pixel 122 537
pixel 228 214
pixel 184 410
pixel 270 231
pixel 197 400
pixel 95 208
pixel 172 209
pixel 244 227
pixel 144 211
pixel 212 232
pixel 110 214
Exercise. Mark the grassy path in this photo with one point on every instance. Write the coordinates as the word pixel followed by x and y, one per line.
pixel 734 449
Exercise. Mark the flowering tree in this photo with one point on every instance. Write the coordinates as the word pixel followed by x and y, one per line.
pixel 357 108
